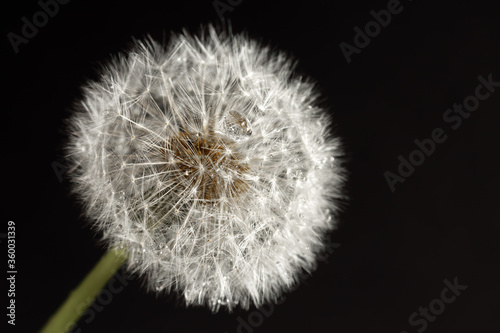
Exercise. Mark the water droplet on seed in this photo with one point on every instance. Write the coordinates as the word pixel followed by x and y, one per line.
pixel 236 126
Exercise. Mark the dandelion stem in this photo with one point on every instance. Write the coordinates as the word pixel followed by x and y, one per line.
pixel 82 296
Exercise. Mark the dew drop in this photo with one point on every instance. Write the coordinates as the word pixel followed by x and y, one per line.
pixel 236 126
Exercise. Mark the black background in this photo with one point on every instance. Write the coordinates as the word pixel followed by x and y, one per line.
pixel 396 249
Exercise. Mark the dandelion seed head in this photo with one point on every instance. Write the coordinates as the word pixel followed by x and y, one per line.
pixel 207 163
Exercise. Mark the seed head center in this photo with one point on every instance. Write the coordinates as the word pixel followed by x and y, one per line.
pixel 206 165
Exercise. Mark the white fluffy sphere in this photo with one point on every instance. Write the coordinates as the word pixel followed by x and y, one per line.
pixel 211 164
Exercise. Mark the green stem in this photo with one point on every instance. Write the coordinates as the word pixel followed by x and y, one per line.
pixel 83 295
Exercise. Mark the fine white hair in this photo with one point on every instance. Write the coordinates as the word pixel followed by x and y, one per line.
pixel 210 162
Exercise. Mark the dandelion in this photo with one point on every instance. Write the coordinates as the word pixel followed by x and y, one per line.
pixel 210 165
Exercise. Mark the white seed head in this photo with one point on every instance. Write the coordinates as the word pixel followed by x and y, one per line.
pixel 211 164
